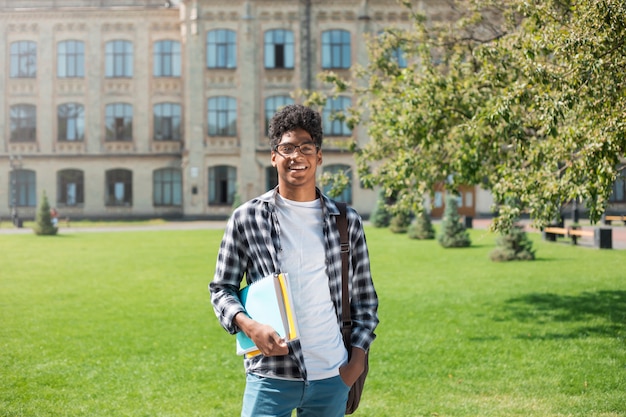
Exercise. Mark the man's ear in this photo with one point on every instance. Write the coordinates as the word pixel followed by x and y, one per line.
pixel 319 157
pixel 273 159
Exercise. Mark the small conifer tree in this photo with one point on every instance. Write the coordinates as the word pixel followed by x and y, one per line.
pixel 513 245
pixel 400 222
pixel 380 216
pixel 421 227
pixel 43 219
pixel 453 233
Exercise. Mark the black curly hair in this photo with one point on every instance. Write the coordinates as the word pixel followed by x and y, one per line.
pixel 295 116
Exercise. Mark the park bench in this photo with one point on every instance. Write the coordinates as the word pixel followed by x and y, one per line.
pixel 602 238
pixel 614 218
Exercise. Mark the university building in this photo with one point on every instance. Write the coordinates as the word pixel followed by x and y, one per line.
pixel 155 108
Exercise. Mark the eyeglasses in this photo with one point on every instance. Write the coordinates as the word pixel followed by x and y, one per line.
pixel 289 149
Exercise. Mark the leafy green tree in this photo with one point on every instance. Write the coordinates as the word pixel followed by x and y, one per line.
pixel 43 219
pixel 524 98
pixel 453 233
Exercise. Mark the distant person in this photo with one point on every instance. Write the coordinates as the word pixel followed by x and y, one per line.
pixel 293 229
pixel 54 216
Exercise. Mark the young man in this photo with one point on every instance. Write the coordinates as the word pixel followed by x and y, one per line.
pixel 292 229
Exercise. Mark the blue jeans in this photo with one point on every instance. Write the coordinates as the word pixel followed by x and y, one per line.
pixel 269 397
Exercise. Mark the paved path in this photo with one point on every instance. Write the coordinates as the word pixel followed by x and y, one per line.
pixel 619 232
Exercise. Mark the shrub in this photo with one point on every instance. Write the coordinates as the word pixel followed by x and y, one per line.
pixel 513 245
pixel 400 222
pixel 453 233
pixel 43 219
pixel 380 216
pixel 421 227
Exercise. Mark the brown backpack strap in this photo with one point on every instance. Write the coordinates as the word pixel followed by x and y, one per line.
pixel 346 325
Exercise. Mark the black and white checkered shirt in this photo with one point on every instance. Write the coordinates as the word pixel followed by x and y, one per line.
pixel 250 248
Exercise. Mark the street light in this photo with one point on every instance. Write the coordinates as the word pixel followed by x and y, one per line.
pixel 16 163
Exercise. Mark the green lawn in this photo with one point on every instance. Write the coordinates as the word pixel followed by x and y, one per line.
pixel 120 324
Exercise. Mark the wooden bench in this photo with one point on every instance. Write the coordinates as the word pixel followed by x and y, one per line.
pixel 602 238
pixel 614 218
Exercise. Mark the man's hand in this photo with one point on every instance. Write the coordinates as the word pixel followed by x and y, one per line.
pixel 354 368
pixel 264 336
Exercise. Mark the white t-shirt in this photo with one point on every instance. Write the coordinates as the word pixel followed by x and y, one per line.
pixel 304 260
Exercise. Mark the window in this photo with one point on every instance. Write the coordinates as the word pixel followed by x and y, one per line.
pixel 166 59
pixel 332 126
pixel 346 194
pixel 71 122
pixel 222 185
pixel 279 49
pixel 70 59
pixel 619 188
pixel 336 49
pixel 119 59
pixel 271 178
pixel 272 104
pixel 222 116
pixel 399 56
pixel 221 49
pixel 23 186
pixel 119 187
pixel 71 188
pixel 168 187
pixel 167 121
pixel 395 50
pixel 23 123
pixel 119 121
pixel 23 59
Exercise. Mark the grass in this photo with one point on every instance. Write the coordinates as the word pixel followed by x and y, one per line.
pixel 120 324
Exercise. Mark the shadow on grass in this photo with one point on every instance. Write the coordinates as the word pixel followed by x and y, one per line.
pixel 607 306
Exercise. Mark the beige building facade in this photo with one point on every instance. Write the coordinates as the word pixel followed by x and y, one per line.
pixel 153 108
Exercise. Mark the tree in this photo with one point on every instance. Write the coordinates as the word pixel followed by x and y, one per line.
pixel 421 227
pixel 513 246
pixel 380 216
pixel 43 219
pixel 400 222
pixel 524 98
pixel 453 233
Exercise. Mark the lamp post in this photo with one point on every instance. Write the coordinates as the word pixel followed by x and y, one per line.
pixel 16 163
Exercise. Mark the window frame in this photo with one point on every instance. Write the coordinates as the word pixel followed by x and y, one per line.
pixel 166 58
pixel 118 124
pixel 22 123
pixel 76 121
pixel 222 180
pixel 334 127
pixel 173 119
pixel 71 61
pixel 116 176
pixel 21 52
pixel 619 187
pixel 118 62
pixel 25 192
pixel 278 51
pixel 272 104
pixel 222 116
pixel 167 192
pixel 336 49
pixel 221 49
pixel 66 177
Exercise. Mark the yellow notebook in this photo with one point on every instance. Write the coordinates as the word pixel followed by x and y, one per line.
pixel 268 301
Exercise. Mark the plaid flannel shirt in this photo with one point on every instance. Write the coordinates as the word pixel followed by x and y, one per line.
pixel 250 247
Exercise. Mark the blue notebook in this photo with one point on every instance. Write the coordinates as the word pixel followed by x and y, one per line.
pixel 268 301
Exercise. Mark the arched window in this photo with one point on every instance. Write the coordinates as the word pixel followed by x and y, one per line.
pixel 166 59
pixel 167 187
pixel 23 59
pixel 71 122
pixel 23 123
pixel 23 186
pixel 222 185
pixel 167 117
pixel 221 49
pixel 119 59
pixel 71 187
pixel 346 194
pixel 119 187
pixel 336 51
pixel 279 52
pixel 222 116
pixel 333 126
pixel 272 104
pixel 71 59
pixel 118 121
